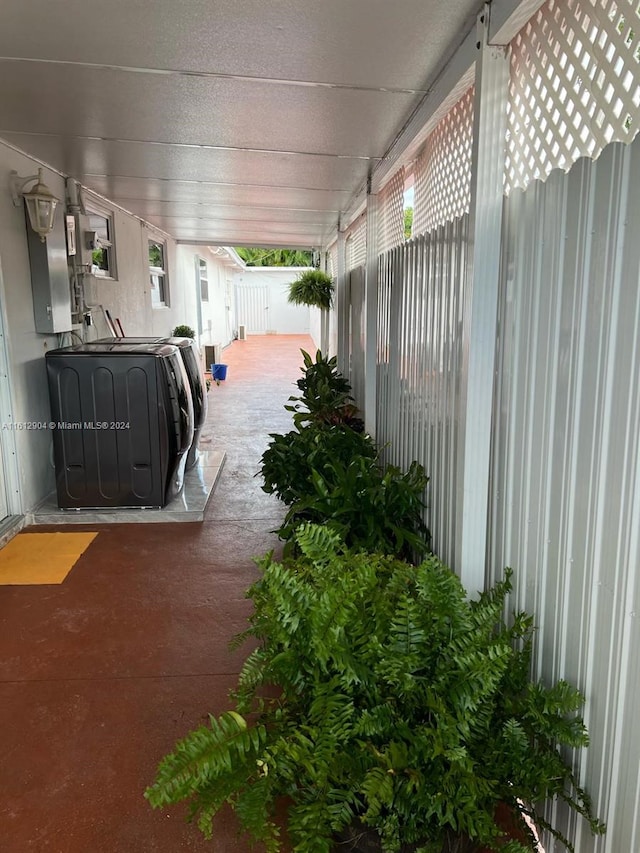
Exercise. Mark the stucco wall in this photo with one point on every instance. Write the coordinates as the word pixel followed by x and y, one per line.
pixel 127 296
pixel 283 318
pixel 217 321
pixel 25 348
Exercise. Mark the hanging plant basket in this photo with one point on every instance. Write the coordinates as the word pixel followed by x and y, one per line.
pixel 312 287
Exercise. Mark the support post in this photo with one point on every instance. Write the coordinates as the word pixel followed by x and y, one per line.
pixel 342 305
pixel 371 315
pixel 481 309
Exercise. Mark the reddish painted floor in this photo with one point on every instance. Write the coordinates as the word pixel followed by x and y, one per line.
pixel 100 675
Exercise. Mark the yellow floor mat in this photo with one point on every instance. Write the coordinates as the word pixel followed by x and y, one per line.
pixel 38 558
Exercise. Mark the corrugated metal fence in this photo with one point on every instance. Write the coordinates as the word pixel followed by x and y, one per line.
pixel 564 495
pixel 420 304
pixel 565 491
pixel 566 472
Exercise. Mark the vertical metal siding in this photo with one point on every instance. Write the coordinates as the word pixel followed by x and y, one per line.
pixel 565 496
pixel 356 335
pixel 420 302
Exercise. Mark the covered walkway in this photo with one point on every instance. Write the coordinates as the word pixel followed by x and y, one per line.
pixel 102 673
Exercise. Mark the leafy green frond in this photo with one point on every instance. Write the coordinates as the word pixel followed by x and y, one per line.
pixel 317 543
pixel 254 806
pixel 250 678
pixel 377 789
pixel 204 756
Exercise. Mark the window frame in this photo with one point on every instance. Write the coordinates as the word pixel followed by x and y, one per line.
pixel 160 273
pixel 107 245
pixel 203 279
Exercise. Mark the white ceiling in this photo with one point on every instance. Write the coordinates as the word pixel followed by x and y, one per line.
pixel 222 121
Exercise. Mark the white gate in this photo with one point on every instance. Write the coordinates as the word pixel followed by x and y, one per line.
pixel 252 304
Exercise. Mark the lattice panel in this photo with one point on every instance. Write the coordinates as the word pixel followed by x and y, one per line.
pixel 575 85
pixel 391 213
pixel 443 169
pixel 356 244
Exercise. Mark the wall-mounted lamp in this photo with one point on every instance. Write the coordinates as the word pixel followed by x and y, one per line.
pixel 41 202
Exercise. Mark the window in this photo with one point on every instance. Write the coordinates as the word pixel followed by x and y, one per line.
pixel 204 280
pixel 158 273
pixel 103 257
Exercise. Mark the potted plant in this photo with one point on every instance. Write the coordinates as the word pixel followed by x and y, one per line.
pixel 183 331
pixel 401 709
pixel 314 288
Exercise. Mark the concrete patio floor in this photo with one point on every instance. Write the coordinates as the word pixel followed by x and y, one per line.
pixel 100 675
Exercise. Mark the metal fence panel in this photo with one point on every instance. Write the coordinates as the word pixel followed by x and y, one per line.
pixel 420 303
pixel 356 335
pixel 565 492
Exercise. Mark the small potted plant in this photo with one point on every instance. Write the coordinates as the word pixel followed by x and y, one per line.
pixel 183 331
pixel 403 718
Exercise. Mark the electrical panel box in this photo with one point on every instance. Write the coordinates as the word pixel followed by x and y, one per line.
pixel 50 279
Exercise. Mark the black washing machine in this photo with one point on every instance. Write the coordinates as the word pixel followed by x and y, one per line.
pixel 122 422
pixel 190 356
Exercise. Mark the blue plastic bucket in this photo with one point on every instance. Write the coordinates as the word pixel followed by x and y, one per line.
pixel 218 371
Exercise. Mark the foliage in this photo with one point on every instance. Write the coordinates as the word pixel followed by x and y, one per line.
pixel 289 460
pixel 328 473
pixel 400 704
pixel 370 507
pixel 325 397
pixel 184 332
pixel 408 223
pixel 156 255
pixel 256 257
pixel 312 287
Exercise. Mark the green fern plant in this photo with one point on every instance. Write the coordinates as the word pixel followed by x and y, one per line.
pixel 312 287
pixel 401 707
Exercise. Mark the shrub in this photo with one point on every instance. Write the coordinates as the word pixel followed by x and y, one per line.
pixel 183 332
pixel 288 463
pixel 326 395
pixel 400 705
pixel 369 507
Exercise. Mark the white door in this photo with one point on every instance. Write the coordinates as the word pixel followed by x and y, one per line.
pixel 253 308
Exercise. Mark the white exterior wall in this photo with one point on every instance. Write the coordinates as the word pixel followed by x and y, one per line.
pixel 283 318
pixel 216 316
pixel 24 394
pixel 27 379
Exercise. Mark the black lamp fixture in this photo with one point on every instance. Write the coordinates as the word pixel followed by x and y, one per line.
pixel 41 202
